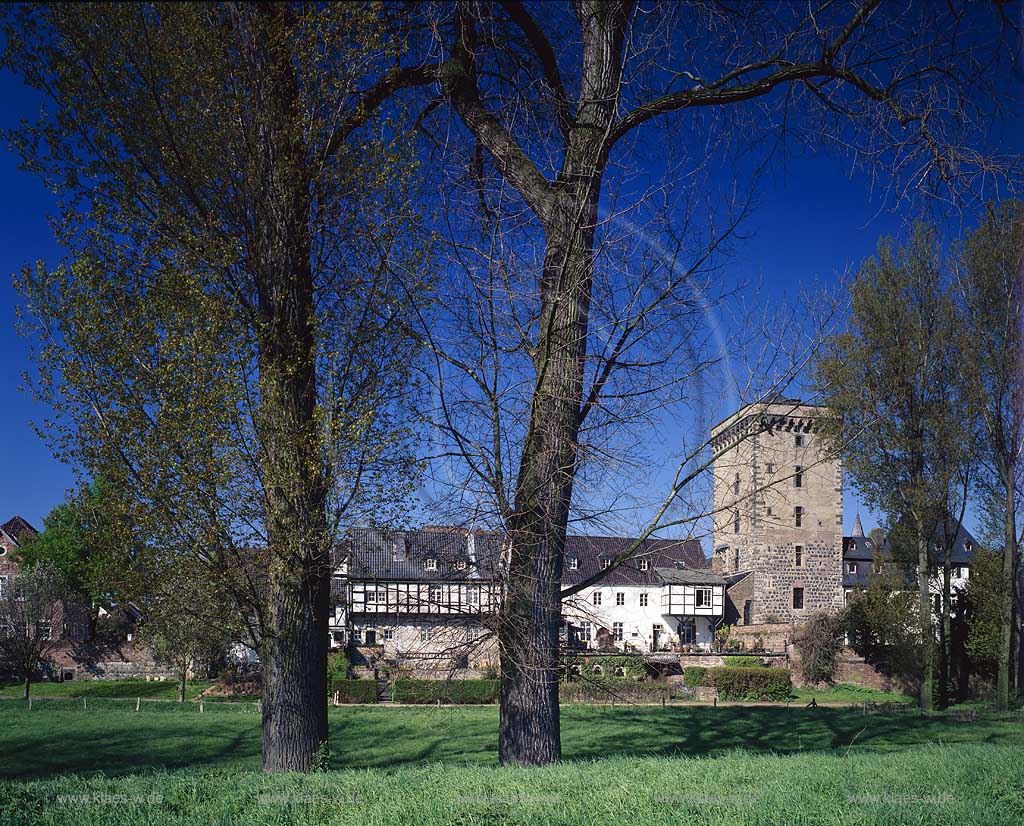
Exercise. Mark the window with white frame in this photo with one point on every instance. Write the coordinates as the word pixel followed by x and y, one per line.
pixel 472 594
pixel 851 567
pixel 388 634
pixel 596 598
pixel 606 564
pixel 430 564
pixel 574 563
pixel 586 632
pixel 617 631
pixel 644 564
pixel 643 600
pixel 620 598
pixel 426 633
pixel 434 593
pixel 702 598
pixel 370 595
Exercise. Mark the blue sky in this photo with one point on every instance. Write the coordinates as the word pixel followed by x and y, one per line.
pixel 812 222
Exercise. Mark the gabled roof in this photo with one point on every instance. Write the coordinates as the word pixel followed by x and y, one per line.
pixel 590 553
pixel 18 529
pixel 689 576
pixel 403 555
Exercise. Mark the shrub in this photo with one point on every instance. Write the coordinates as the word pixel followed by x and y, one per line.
pixel 337 666
pixel 750 683
pixel 469 692
pixel 818 642
pixel 744 662
pixel 631 665
pixel 610 690
pixel 354 691
pixel 695 675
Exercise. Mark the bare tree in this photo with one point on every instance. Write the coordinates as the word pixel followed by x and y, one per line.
pixel 555 97
pixel 32 606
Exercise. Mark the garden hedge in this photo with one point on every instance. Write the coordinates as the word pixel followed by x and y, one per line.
pixel 743 662
pixel 611 690
pixel 695 675
pixel 354 691
pixel 456 692
pixel 750 683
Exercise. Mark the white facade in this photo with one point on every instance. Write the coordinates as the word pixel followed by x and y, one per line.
pixel 648 618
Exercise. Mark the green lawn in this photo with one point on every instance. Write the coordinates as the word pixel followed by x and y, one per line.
pixel 151 690
pixel 849 694
pixel 172 764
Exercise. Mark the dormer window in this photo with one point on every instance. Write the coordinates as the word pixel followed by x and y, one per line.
pixel 460 565
pixel 574 563
pixel 430 564
pixel 644 564
pixel 606 564
pixel 853 544
pixel 851 567
pixel 968 546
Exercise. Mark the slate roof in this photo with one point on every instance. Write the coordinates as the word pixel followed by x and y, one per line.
pixel 18 529
pixel 689 576
pixel 591 551
pixel 864 551
pixel 401 555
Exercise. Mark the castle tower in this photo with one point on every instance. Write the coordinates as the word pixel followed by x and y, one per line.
pixel 778 523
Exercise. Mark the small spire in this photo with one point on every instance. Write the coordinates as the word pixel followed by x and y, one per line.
pixel 858 528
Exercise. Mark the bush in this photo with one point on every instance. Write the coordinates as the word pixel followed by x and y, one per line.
pixel 818 642
pixel 354 691
pixel 611 690
pixel 750 683
pixel 631 665
pixel 337 666
pixel 456 692
pixel 744 662
pixel 695 675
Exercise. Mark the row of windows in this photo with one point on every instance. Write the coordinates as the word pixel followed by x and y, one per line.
pixel 798 478
pixel 574 564
pixel 687 631
pixel 701 598
pixel 798 518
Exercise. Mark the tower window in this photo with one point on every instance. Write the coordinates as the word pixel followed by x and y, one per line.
pixel 798 598
pixel 798 556
pixel 736 522
pixel 798 440
pixel 798 477
pixel 736 485
pixel 798 516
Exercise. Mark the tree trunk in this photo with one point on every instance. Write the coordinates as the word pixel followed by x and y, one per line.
pixel 28 681
pixel 294 639
pixel 1009 590
pixel 181 684
pixel 532 608
pixel 946 651
pixel 925 618
pixel 531 614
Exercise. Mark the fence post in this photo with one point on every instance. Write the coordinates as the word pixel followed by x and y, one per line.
pixel 85 703
pixel 138 702
pixel 201 709
pixel 29 703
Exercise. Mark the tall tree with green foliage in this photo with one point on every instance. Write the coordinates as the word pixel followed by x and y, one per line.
pixel 82 539
pixel 223 346
pixel 990 283
pixel 895 411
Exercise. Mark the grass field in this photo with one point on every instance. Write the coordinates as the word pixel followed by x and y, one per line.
pixel 150 690
pixel 171 764
pixel 849 694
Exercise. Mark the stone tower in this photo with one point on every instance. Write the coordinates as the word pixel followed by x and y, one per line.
pixel 778 523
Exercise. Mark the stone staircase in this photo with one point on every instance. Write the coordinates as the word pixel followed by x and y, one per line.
pixel 385 695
